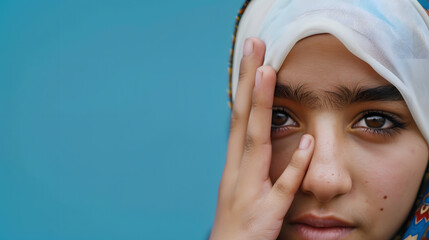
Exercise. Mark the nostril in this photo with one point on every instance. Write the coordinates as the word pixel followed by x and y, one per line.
pixel 328 175
pixel 325 185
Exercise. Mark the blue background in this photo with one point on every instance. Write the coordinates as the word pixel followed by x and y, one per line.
pixel 424 3
pixel 113 117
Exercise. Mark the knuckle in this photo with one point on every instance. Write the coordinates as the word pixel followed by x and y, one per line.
pixel 261 101
pixel 297 160
pixel 243 74
pixel 259 104
pixel 255 103
pixel 282 188
pixel 247 69
pixel 250 143
pixel 249 224
pixel 235 117
pixel 238 111
pixel 237 122
pixel 294 163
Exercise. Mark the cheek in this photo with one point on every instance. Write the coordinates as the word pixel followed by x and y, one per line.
pixel 396 169
pixel 283 150
pixel 389 175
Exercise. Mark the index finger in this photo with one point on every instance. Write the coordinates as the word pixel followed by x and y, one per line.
pixel 252 59
pixel 284 189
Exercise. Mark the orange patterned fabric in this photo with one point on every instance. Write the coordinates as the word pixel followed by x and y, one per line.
pixel 231 53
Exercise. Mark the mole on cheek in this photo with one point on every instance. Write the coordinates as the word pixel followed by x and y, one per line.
pixel 385 197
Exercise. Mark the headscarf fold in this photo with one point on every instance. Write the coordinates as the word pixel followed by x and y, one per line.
pixel 392 37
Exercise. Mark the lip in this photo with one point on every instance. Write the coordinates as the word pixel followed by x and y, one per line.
pixel 311 227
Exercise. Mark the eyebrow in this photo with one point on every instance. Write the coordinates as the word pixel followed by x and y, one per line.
pixel 340 97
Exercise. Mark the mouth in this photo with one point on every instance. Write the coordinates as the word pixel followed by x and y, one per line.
pixel 310 227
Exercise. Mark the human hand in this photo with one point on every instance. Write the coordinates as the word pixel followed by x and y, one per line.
pixel 250 206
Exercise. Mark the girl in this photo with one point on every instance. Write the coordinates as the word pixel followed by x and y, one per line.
pixel 329 127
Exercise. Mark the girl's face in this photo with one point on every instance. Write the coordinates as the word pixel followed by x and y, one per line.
pixel 369 156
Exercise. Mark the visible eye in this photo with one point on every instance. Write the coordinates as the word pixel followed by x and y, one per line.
pixel 281 118
pixel 374 121
pixel 379 122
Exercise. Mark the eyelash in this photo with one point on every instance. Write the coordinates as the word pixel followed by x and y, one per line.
pixel 398 125
pixel 280 129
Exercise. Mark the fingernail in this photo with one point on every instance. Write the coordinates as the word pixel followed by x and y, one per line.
pixel 258 77
pixel 305 142
pixel 248 47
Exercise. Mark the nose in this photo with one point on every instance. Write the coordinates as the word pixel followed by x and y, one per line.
pixel 328 175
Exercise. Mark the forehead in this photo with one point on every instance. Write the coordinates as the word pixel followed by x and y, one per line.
pixel 321 73
pixel 321 63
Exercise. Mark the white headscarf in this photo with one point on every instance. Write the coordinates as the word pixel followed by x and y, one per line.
pixel 391 36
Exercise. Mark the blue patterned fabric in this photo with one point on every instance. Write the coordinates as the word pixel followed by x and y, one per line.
pixel 419 225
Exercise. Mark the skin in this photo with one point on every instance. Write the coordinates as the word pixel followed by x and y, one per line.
pixel 325 161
